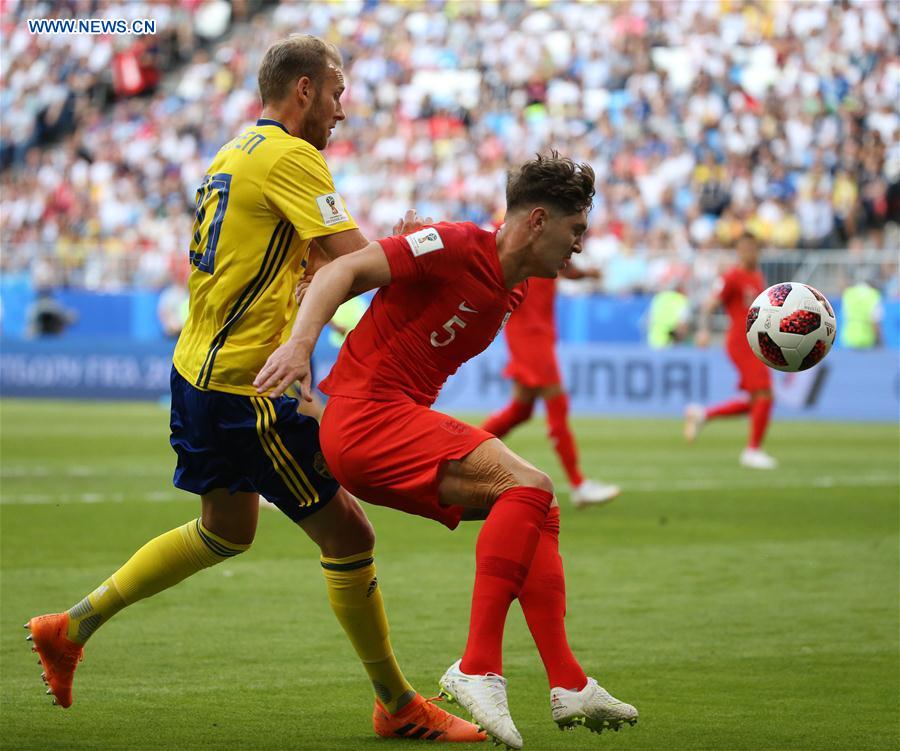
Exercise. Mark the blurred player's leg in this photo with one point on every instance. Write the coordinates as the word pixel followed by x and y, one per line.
pixel 584 492
pixel 756 379
pixel 760 410
pixel 513 414
pixel 696 415
pixel 225 529
pixel 561 436
pixel 731 408
pixel 728 409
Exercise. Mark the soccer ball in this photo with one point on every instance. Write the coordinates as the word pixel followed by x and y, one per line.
pixel 791 326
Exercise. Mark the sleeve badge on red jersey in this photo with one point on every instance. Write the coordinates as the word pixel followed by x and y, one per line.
pixel 424 241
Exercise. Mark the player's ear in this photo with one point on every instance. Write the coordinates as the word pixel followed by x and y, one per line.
pixel 537 219
pixel 304 90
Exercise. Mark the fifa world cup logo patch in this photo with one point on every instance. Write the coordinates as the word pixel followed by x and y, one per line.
pixel 332 209
pixel 321 467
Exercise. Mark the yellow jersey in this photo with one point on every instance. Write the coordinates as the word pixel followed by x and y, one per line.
pixel 265 196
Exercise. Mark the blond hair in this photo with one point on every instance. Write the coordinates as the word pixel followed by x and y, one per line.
pixel 290 59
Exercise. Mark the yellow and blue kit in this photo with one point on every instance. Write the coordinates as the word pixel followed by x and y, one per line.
pixel 266 195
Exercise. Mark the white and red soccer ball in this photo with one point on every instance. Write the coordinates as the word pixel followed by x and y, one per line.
pixel 791 326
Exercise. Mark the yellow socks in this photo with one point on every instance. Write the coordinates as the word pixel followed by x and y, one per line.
pixel 160 564
pixel 356 601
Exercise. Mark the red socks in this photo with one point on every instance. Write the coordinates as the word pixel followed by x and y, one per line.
pixel 514 413
pixel 543 600
pixel 561 437
pixel 503 556
pixel 759 420
pixel 728 409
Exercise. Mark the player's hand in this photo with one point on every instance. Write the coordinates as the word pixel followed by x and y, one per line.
pixel 410 222
pixel 288 363
pixel 701 338
pixel 302 287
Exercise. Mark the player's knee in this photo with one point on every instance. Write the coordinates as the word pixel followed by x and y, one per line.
pixel 234 542
pixel 361 533
pixel 231 531
pixel 505 475
pixel 350 531
pixel 556 428
pixel 525 408
pixel 230 516
pixel 534 478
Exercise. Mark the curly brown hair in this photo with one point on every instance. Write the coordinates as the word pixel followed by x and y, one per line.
pixel 290 59
pixel 551 180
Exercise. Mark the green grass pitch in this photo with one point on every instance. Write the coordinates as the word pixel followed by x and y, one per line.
pixel 736 609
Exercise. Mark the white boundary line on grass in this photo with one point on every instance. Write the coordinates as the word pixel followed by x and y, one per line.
pixel 48 499
pixel 867 481
pixel 80 470
pixel 167 496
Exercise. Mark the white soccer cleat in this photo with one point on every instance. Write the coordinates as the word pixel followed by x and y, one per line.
pixel 484 697
pixel 593 493
pixel 694 417
pixel 757 459
pixel 592 707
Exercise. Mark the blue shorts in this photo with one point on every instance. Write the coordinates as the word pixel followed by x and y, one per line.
pixel 250 443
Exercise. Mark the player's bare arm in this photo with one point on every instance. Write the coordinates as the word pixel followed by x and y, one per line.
pixel 342 243
pixel 571 271
pixel 349 275
pixel 709 305
pixel 349 241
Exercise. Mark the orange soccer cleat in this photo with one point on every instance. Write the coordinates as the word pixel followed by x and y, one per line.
pixel 422 720
pixel 59 656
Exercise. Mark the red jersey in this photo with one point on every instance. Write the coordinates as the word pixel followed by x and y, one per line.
pixel 445 304
pixel 738 289
pixel 536 316
pixel 531 338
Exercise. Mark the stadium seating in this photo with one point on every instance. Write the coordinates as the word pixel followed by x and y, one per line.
pixel 701 118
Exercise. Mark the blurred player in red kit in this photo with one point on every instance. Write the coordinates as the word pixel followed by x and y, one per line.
pixel 533 368
pixel 445 293
pixel 735 291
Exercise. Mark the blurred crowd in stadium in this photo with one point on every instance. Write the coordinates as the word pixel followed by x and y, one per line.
pixel 702 119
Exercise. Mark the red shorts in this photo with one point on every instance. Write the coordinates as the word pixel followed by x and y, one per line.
pixel 754 375
pixel 532 361
pixel 390 453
